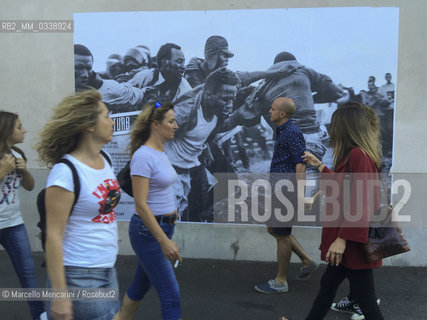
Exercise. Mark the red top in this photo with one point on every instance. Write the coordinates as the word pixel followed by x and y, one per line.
pixel 363 193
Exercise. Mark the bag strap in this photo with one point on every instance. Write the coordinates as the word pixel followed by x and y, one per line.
pixel 16 149
pixel 384 186
pixel 107 157
pixel 76 180
pixel 347 178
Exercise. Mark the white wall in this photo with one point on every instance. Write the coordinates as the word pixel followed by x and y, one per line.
pixel 36 72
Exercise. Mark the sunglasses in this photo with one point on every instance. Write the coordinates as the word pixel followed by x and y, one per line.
pixel 156 106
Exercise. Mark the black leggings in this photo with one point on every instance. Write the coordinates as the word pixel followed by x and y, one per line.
pixel 361 286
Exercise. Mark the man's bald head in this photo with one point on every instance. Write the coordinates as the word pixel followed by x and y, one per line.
pixel 285 104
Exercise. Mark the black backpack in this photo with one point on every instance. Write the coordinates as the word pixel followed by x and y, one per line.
pixel 41 204
pixel 124 179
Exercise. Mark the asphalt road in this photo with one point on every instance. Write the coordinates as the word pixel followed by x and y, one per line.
pixel 217 289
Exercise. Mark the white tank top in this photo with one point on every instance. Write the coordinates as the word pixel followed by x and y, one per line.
pixel 184 152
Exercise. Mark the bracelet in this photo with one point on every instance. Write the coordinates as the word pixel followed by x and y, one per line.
pixel 319 165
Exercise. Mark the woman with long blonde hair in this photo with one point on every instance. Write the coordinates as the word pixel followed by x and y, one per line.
pixel 81 240
pixel 152 226
pixel 355 138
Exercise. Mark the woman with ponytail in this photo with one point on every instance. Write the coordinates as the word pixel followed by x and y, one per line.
pixel 152 226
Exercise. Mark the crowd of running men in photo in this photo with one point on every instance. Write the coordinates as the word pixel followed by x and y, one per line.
pixel 240 137
pixel 178 121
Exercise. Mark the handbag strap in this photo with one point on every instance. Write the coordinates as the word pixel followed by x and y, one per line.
pixel 384 186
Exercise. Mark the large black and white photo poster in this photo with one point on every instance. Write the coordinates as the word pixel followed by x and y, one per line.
pixel 234 63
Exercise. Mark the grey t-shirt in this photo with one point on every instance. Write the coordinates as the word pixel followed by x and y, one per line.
pixel 155 165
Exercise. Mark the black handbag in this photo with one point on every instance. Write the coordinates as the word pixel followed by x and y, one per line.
pixel 385 238
pixel 124 179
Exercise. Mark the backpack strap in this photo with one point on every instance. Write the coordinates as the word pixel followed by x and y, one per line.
pixel 107 157
pixel 17 150
pixel 41 200
pixel 76 180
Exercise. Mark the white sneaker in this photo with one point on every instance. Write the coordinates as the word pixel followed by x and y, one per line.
pixel 358 315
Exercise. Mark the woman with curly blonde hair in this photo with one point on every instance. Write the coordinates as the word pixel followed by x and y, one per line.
pixel 81 239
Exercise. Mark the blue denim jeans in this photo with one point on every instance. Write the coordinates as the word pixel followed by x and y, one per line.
pixel 103 309
pixel 15 241
pixel 153 269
